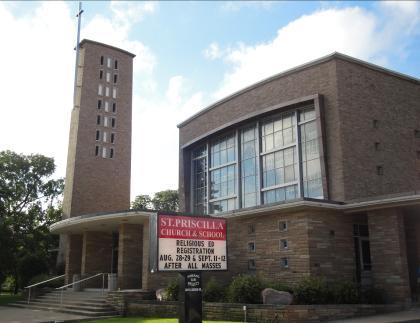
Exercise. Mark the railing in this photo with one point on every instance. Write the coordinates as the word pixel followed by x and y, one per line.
pixel 79 281
pixel 40 283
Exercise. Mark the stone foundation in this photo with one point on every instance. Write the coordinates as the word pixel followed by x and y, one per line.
pixel 260 312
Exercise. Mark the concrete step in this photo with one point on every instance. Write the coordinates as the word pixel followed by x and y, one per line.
pixel 89 307
pixel 72 298
pixel 108 313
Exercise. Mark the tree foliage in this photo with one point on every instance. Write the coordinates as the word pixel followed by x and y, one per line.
pixel 167 200
pixel 142 202
pixel 28 206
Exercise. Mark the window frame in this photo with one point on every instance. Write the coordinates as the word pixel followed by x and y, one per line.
pixel 296 108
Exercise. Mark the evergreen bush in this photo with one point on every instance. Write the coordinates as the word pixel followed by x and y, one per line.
pixel 245 289
pixel 214 292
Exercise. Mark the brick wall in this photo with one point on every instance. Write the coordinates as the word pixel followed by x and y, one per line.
pixel 331 246
pixel 73 256
pixel 388 254
pixel 96 184
pixel 130 256
pixel 365 95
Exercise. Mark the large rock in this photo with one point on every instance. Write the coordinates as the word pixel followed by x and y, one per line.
pixel 272 296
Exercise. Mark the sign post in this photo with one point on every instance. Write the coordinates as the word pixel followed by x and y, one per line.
pixel 189 245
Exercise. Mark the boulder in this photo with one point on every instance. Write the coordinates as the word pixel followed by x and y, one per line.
pixel 275 297
pixel 161 294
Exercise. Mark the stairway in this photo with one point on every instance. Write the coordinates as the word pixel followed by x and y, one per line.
pixel 86 303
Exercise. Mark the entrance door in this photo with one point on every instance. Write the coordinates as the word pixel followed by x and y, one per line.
pixel 114 257
pixel 362 253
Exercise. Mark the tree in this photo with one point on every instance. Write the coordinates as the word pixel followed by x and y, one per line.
pixel 28 206
pixel 162 201
pixel 166 200
pixel 142 202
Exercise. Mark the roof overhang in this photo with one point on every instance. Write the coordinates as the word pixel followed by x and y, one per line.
pixel 320 205
pixel 100 222
pixel 110 222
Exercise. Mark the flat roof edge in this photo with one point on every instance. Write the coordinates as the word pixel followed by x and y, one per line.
pixel 106 45
pixel 297 69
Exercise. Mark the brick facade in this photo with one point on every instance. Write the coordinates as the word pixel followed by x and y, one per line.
pixel 96 253
pixel 388 253
pixel 369 122
pixel 130 256
pixel 366 117
pixel 73 256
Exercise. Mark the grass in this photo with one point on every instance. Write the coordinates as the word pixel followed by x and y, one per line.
pixel 147 320
pixel 9 298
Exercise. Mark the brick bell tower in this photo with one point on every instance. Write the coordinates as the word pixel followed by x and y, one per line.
pixel 99 151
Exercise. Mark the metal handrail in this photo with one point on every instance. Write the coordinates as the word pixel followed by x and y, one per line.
pixel 79 281
pixel 40 283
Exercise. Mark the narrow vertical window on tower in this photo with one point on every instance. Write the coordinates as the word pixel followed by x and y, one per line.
pixel 99 104
pixel 114 107
pixel 111 153
pixel 98 119
pixel 104 152
pixel 102 60
pixel 101 74
pixel 100 89
pixel 112 138
pixel 108 77
pixel 115 78
pixel 107 91
pixel 116 64
pixel 105 121
pixel 105 136
pixel 98 134
pixel 113 122
pixel 96 150
pixel 114 93
pixel 106 106
pixel 108 62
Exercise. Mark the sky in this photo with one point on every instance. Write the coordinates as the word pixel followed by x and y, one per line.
pixel 188 55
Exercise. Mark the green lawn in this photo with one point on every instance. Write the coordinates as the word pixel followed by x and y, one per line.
pixel 9 298
pixel 148 320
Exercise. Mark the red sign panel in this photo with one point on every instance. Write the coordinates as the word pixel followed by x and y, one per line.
pixel 191 243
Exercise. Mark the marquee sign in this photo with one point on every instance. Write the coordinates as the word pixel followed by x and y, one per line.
pixel 190 243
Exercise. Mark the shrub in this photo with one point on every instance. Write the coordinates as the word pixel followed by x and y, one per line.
pixel 312 290
pixel 245 289
pixel 344 293
pixel 30 266
pixel 8 284
pixel 172 291
pixel 213 291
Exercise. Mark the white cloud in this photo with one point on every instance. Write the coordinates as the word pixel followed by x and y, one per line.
pixel 213 51
pixel 155 135
pixel 353 31
pixel 238 5
pixel 37 80
pixel 116 31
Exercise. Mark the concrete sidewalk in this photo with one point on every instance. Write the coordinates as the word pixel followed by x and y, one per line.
pixel 411 315
pixel 25 315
